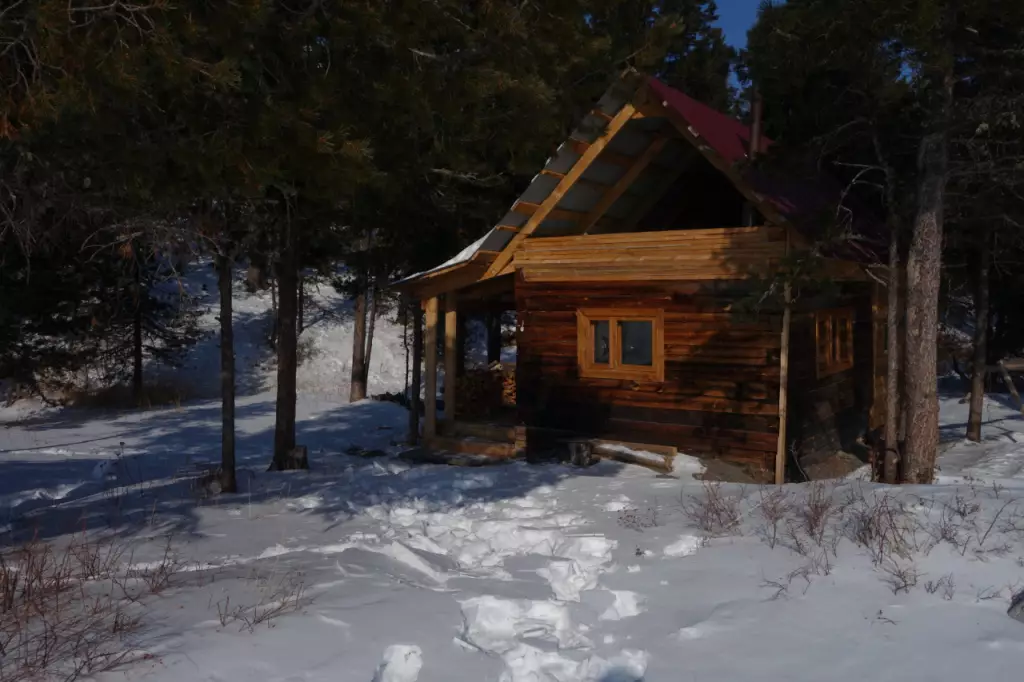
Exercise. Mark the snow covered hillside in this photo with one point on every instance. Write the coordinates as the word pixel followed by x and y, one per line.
pixel 325 344
pixel 370 568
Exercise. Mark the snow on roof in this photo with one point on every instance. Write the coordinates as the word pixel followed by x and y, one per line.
pixel 463 256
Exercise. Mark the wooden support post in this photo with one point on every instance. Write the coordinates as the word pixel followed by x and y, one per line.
pixel 787 314
pixel 430 388
pixel 416 383
pixel 451 362
pixel 879 312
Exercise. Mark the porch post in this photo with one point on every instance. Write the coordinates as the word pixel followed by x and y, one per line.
pixel 451 355
pixel 430 388
pixel 415 309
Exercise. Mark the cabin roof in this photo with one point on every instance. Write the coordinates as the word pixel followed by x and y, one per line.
pixel 654 130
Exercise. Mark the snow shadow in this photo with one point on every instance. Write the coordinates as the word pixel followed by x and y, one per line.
pixel 145 485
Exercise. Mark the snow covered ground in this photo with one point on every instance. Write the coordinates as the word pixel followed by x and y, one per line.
pixel 525 573
pixel 370 568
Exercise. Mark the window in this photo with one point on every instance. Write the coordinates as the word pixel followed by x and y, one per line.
pixel 833 333
pixel 621 344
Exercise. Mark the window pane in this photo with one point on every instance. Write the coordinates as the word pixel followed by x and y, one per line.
pixel 824 341
pixel 844 340
pixel 602 347
pixel 637 343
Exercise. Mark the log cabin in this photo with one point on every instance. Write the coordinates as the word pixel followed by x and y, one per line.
pixel 661 297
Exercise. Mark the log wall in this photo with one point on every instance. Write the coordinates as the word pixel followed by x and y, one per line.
pixel 720 394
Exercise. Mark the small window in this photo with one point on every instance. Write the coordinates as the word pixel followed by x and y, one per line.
pixel 621 344
pixel 833 332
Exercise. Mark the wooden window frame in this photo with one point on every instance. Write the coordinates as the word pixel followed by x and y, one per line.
pixel 585 317
pixel 834 361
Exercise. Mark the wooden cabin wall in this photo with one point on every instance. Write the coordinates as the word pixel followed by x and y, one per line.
pixel 827 414
pixel 720 394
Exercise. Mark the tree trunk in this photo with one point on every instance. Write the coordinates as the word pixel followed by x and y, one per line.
pixel 890 471
pixel 371 325
pixel 273 312
pixel 300 316
pixel 357 390
pixel 256 275
pixel 493 338
pixel 137 334
pixel 924 270
pixel 980 335
pixel 287 346
pixel 417 372
pixel 228 482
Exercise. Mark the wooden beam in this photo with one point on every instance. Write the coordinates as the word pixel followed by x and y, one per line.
pixel 430 381
pixel 782 445
pixel 580 147
pixel 623 183
pixel 451 359
pixel 593 184
pixel 648 202
pixel 564 185
pixel 527 209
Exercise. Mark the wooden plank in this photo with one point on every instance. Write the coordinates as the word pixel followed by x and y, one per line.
pixel 593 184
pixel 725 234
pixel 780 452
pixel 430 381
pixel 663 450
pixel 527 209
pixel 623 183
pixel 609 450
pixel 471 446
pixel 580 147
pixel 451 359
pixel 494 432
pixel 564 185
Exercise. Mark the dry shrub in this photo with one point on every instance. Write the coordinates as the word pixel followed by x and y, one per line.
pixel 900 577
pixel 944 586
pixel 278 594
pixel 774 507
pixel 817 512
pixel 67 611
pixel 715 512
pixel 883 526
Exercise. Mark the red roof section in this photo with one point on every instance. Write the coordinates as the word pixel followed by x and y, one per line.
pixel 727 136
pixel 803 201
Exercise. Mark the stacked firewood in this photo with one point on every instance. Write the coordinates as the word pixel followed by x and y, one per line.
pixel 482 392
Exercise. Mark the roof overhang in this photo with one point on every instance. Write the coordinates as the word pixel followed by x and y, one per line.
pixel 630 148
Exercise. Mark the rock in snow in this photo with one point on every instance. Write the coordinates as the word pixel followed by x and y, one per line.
pixel 401 663
pixel 1016 610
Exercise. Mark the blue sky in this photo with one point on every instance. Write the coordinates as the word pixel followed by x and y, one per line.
pixel 736 17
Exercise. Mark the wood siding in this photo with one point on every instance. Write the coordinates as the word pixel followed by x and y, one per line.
pixel 720 393
pixel 721 253
pixel 828 413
